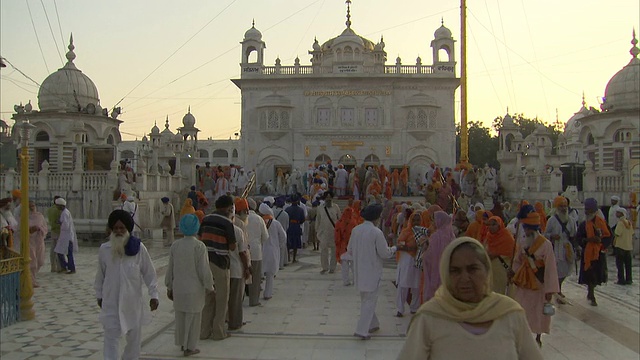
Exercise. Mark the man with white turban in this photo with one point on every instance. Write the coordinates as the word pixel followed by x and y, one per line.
pixel 67 241
pixel 124 265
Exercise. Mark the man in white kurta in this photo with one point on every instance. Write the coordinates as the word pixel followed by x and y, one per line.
pixel 131 207
pixel 368 248
pixel 342 179
pixel 282 216
pixel 67 241
pixel 188 277
pixel 124 265
pixel 327 216
pixel 257 235
pixel 271 249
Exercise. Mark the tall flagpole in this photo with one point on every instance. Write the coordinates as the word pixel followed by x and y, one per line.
pixel 464 131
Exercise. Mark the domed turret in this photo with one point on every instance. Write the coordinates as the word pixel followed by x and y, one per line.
pixel 188 120
pixel 155 130
pixel 623 90
pixel 253 33
pixel 68 88
pixel 442 32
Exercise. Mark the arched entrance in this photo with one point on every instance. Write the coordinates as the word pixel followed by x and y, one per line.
pixel 349 161
pixel 321 159
pixel 371 160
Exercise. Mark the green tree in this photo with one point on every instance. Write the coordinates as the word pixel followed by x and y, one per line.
pixel 527 126
pixel 483 148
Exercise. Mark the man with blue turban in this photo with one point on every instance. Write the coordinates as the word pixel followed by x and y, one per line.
pixel 188 278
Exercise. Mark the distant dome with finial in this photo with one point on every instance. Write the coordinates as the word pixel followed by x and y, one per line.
pixel 442 31
pixel 166 132
pixel 348 35
pixel 623 90
pixel 253 33
pixel 188 120
pixel 316 45
pixel 155 130
pixel 68 88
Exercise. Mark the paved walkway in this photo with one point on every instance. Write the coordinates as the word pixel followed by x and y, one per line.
pixel 310 316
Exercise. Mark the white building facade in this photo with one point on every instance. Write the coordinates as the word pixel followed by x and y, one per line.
pixel 601 147
pixel 348 106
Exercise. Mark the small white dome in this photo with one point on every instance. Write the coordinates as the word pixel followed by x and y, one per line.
pixel 188 120
pixel 155 130
pixel 253 34
pixel 442 33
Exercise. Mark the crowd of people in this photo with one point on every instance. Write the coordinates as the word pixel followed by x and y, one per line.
pixel 457 263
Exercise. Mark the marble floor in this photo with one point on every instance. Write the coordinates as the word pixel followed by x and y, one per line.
pixel 311 316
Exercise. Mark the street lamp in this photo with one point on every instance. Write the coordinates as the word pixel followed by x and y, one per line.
pixel 26 286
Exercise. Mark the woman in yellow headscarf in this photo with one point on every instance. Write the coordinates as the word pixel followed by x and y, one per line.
pixel 465 317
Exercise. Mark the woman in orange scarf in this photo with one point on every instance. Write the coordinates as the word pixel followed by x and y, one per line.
pixel 543 216
pixel 408 275
pixel 343 228
pixel 473 230
pixel 500 246
pixel 594 237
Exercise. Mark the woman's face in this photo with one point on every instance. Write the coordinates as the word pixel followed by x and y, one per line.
pixel 468 276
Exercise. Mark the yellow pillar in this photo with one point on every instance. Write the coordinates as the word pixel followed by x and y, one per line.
pixel 464 131
pixel 26 286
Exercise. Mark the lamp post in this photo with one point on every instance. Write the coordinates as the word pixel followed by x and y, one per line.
pixel 26 286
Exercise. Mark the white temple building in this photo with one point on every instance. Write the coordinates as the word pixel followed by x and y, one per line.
pixel 598 153
pixel 348 106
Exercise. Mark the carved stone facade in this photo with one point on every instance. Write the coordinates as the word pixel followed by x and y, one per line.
pixel 348 106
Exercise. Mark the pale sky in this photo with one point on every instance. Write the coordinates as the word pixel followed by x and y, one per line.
pixel 531 56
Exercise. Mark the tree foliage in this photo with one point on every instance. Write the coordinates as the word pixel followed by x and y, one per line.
pixel 484 142
pixel 483 147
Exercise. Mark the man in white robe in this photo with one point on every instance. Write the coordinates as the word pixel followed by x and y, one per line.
pixel 368 247
pixel 282 216
pixel 271 249
pixel 188 277
pixel 342 179
pixel 131 207
pixel 257 235
pixel 327 216
pixel 67 241
pixel 123 265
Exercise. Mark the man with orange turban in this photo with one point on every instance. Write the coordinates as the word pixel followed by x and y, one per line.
pixel 536 275
pixel 594 236
pixel 561 230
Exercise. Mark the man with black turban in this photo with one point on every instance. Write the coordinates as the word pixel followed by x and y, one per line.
pixel 368 247
pixel 119 291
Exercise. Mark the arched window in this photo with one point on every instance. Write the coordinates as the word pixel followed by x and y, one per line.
pixel 322 159
pixel 508 141
pixel 110 140
pixel 220 153
pixel 443 54
pixel 202 153
pixel 618 136
pixel 252 55
pixel 371 159
pixel 234 154
pixel 127 155
pixel 42 136
pixel 590 139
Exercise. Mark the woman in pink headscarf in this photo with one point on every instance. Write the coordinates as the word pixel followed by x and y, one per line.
pixel 37 231
pixel 431 260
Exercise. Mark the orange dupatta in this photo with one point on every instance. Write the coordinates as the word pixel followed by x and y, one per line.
pixel 592 249
pixel 525 277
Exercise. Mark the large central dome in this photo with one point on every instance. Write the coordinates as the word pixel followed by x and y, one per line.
pixel 623 90
pixel 68 88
